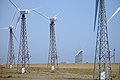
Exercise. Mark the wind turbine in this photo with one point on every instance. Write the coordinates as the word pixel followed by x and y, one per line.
pixel 23 55
pixel 102 64
pixel 11 56
pixel 52 57
pixel 114 14
pixel 22 12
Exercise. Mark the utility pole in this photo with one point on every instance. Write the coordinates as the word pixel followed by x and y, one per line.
pixel 114 55
pixel 52 58
pixel 23 55
pixel 119 68
pixel 102 64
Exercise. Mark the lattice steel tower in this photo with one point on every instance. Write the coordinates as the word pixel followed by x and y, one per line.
pixel 23 56
pixel 102 64
pixel 10 56
pixel 52 58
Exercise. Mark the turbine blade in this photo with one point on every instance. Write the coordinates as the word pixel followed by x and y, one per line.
pixel 14 37
pixel 34 8
pixel 58 13
pixel 4 28
pixel 14 5
pixel 13 18
pixel 41 14
pixel 96 10
pixel 113 14
pixel 18 20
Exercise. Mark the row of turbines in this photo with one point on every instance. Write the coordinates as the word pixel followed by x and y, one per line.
pixel 102 63
pixel 23 62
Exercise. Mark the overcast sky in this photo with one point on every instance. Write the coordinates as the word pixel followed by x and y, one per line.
pixel 73 30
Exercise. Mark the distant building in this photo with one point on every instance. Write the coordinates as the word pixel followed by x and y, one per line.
pixel 65 62
pixel 78 57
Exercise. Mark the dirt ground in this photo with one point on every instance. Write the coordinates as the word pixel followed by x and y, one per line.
pixel 63 72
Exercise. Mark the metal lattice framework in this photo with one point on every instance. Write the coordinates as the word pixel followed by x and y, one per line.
pixel 102 64
pixel 10 56
pixel 23 56
pixel 52 58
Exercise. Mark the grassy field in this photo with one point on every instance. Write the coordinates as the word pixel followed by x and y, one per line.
pixel 63 72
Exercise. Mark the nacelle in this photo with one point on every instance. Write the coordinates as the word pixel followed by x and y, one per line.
pixel 26 11
pixel 54 19
pixel 11 27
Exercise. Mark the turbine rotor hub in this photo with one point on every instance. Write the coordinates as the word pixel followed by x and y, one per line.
pixel 26 11
pixel 54 19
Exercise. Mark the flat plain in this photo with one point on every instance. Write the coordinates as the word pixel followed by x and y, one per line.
pixel 63 72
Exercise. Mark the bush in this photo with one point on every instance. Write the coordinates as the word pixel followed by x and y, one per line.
pixel 9 76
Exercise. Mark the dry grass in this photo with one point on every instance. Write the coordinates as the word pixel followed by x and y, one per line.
pixel 64 72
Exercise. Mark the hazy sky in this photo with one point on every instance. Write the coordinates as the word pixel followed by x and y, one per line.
pixel 73 30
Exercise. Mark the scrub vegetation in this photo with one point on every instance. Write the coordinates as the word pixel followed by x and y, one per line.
pixel 63 72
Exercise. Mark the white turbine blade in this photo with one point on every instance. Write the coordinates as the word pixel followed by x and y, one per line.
pixel 4 28
pixel 113 15
pixel 42 14
pixel 17 22
pixel 14 5
pixel 34 8
pixel 58 13
pixel 96 11
pixel 14 37
pixel 13 18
